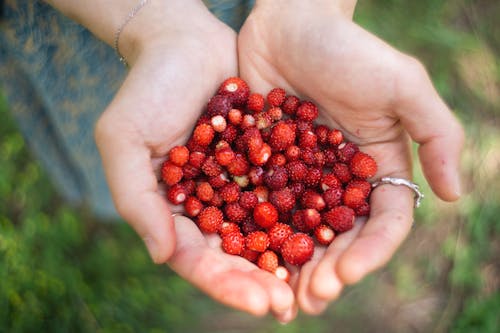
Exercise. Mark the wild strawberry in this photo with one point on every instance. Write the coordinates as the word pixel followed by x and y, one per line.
pixel 229 134
pixel 328 181
pixel 340 218
pixel 176 194
pixel 224 156
pixel 235 213
pixel 282 136
pixel 297 171
pixel 307 156
pixel 233 243
pixel 346 151
pixel 193 206
pixel 362 184
pixel 268 261
pixel 248 226
pixel 216 200
pixel 256 175
pixel 236 89
pixel 235 117
pixel 242 181
pixel 297 188
pixel 276 96
pixel 257 241
pixel 190 172
pixel 363 210
pixel 196 159
pixel 283 199
pixel 230 192
pixel 282 273
pixel 363 165
pixel 321 132
pixel 239 166
pixel 330 157
pixel 342 172
pixel 218 181
pixel 210 219
pixel 193 146
pixel 291 104
pixel 210 167
pixel 218 123
pixel 313 177
pixel 312 199
pixel 253 138
pixel 204 191
pixel 335 137
pixel 228 227
pixel 292 153
pixel 276 178
pixel 307 111
pixel 324 234
pixel 276 159
pixel 189 185
pixel 275 113
pixel 297 249
pixel 353 197
pixel 263 120
pixel 333 197
pixel 302 126
pixel 265 214
pixel 307 139
pixel 219 105
pixel 277 235
pixel 250 255
pixel 298 221
pixel 178 155
pixel 255 103
pixel 248 121
pixel 248 200
pixel 203 134
pixel 262 193
pixel 171 173
pixel 260 156
pixel 312 218
pixel 319 159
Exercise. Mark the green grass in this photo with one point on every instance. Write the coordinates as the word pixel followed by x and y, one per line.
pixel 63 271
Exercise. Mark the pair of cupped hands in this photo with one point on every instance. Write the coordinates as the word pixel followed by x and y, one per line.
pixel 380 98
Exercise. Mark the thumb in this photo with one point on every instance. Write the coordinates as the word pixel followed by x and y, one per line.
pixel 431 124
pixel 134 189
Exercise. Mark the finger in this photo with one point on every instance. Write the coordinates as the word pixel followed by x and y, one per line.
pixel 225 278
pixel 324 282
pixel 430 123
pixel 389 223
pixel 134 189
pixel 280 294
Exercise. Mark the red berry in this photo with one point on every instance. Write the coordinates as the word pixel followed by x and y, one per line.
pixel 256 175
pixel 276 178
pixel 340 218
pixel 260 156
pixel 268 261
pixel 218 181
pixel 248 200
pixel 190 172
pixel 307 155
pixel 277 235
pixel 307 111
pixel 329 181
pixel 255 103
pixel 324 234
pixel 224 156
pixel 218 123
pixel 275 113
pixel 283 200
pixel 250 255
pixel 179 155
pixel 235 213
pixel 216 200
pixel 219 105
pixel 312 199
pixel 282 136
pixel 210 219
pixel 239 166
pixel 297 249
pixel 203 134
pixel 342 172
pixel 297 171
pixel 292 153
pixel 335 137
pixel 276 159
pixel 233 243
pixel 176 194
pixel 346 151
pixel 298 221
pixel 262 193
pixel 230 192
pixel 312 218
pixel 257 241
pixel 276 96
pixel 265 214
pixel 204 191
pixel 210 167
pixel 363 210
pixel 228 227
pixel 362 184
pixel 291 104
pixel 333 197
pixel 235 117
pixel 353 197
pixel 322 132
pixel 229 134
pixel 297 189
pixel 263 120
pixel 363 165
pixel 313 177
pixel 248 121
pixel 307 139
pixel 242 181
pixel 236 89
pixel 196 159
pixel 171 173
pixel 193 206
pixel 248 226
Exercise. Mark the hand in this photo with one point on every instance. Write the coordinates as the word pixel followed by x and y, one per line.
pixel 175 68
pixel 379 98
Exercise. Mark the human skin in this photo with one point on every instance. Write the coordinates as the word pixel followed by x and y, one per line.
pixel 380 98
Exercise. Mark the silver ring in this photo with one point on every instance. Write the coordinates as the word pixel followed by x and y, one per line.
pixel 401 181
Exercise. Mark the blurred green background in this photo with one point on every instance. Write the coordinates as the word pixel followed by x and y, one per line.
pixel 63 271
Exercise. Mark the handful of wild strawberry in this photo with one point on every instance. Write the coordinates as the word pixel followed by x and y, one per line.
pixel 267 179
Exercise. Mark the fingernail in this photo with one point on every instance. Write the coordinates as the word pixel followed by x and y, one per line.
pixel 152 247
pixel 286 317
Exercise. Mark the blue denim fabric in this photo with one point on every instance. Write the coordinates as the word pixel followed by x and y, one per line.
pixel 58 78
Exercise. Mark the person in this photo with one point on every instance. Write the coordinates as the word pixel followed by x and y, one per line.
pixel 178 52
